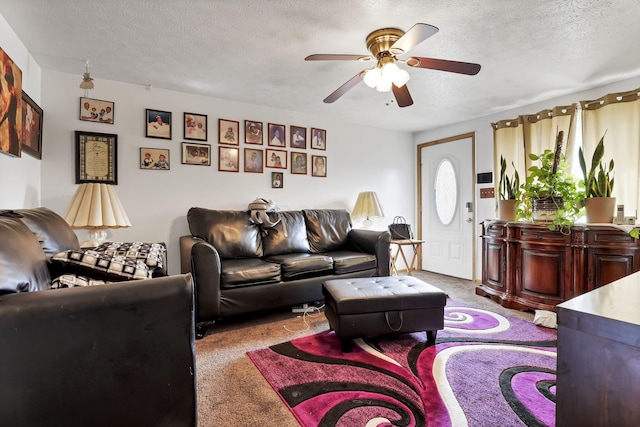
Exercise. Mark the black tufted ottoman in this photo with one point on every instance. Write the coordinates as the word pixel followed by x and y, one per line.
pixel 374 306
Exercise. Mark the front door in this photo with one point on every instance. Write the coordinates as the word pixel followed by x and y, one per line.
pixel 447 206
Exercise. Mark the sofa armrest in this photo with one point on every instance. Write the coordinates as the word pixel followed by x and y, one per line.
pixel 117 354
pixel 376 243
pixel 206 268
pixel 186 242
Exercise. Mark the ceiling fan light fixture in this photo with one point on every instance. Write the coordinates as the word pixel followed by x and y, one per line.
pixel 372 77
pixel 384 85
pixel 400 78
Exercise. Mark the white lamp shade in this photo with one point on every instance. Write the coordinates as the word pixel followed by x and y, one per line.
pixel 372 77
pixel 400 78
pixel 96 205
pixel 367 206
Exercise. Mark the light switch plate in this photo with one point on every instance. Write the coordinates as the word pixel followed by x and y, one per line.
pixel 487 193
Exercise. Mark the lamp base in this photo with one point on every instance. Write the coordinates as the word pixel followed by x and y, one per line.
pixel 96 237
pixel 367 223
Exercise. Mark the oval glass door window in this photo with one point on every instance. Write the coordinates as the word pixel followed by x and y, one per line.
pixel 446 192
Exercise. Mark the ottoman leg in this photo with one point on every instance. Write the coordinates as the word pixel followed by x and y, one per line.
pixel 431 336
pixel 345 345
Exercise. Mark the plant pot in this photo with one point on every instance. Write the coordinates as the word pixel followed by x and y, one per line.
pixel 507 210
pixel 600 209
pixel 545 208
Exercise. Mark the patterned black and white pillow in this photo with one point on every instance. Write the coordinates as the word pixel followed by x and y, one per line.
pixel 91 262
pixel 152 254
pixel 73 280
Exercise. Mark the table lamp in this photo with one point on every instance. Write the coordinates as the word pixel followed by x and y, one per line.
pixel 367 207
pixel 96 207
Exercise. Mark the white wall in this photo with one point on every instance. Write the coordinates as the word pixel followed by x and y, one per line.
pixel 485 208
pixel 359 158
pixel 20 177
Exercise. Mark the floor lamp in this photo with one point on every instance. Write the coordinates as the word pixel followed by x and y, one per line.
pixel 96 207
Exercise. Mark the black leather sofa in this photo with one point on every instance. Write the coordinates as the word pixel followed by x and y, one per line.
pixel 240 267
pixel 119 354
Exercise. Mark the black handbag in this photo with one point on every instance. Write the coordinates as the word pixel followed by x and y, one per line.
pixel 400 230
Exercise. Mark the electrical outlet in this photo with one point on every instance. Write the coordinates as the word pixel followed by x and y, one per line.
pixel 487 193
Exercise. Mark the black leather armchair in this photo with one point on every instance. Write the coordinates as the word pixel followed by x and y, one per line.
pixel 120 354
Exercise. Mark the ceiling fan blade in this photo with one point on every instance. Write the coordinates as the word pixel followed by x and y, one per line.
pixel 337 57
pixel 444 65
pixel 344 88
pixel 416 35
pixel 403 97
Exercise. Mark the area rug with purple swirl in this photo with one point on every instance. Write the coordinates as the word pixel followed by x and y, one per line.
pixel 484 369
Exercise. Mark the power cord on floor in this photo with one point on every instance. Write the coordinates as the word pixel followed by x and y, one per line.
pixel 310 311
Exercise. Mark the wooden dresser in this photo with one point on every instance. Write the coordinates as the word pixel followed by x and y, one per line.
pixel 527 266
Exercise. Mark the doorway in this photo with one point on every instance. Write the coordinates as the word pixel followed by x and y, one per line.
pixel 446 205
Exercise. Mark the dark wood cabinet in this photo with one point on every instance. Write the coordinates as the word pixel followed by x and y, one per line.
pixel 598 375
pixel 528 266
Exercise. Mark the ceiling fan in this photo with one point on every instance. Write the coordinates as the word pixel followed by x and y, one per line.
pixel 385 46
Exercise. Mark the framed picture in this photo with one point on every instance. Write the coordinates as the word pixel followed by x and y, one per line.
pixel 253 132
pixel 319 166
pixel 158 124
pixel 253 160
pixel 298 137
pixel 195 126
pixel 31 127
pixel 276 135
pixel 154 158
pixel 228 159
pixel 298 163
pixel 228 132
pixel 276 159
pixel 11 86
pixel 95 110
pixel 196 154
pixel 318 139
pixel 277 180
pixel 96 157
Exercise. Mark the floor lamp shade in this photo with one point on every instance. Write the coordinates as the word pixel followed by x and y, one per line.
pixel 367 207
pixel 96 207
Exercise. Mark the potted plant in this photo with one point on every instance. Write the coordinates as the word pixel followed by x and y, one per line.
pixel 550 195
pixel 598 185
pixel 507 192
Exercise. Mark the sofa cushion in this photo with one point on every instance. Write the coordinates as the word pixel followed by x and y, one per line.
pixel 327 229
pixel 348 262
pixel 53 232
pixel 100 265
pixel 248 271
pixel 288 236
pixel 232 233
pixel 23 264
pixel 295 265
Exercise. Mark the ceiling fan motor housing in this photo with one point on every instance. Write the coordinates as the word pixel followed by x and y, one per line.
pixel 380 41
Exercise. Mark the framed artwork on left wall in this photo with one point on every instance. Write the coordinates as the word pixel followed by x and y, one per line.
pixel 96 157
pixel 31 127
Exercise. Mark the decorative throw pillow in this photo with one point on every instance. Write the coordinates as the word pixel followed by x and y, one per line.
pixel 73 280
pixel 152 254
pixel 101 265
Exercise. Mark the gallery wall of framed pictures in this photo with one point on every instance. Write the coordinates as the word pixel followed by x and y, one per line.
pixel 247 145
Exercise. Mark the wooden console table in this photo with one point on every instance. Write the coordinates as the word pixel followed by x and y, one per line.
pixel 598 375
pixel 527 266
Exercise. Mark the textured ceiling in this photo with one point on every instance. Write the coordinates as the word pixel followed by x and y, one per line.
pixel 253 51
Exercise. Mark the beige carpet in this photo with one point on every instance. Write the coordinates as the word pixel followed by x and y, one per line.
pixel 231 391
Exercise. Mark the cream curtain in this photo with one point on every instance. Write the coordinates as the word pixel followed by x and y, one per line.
pixel 617 114
pixel 540 131
pixel 508 142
